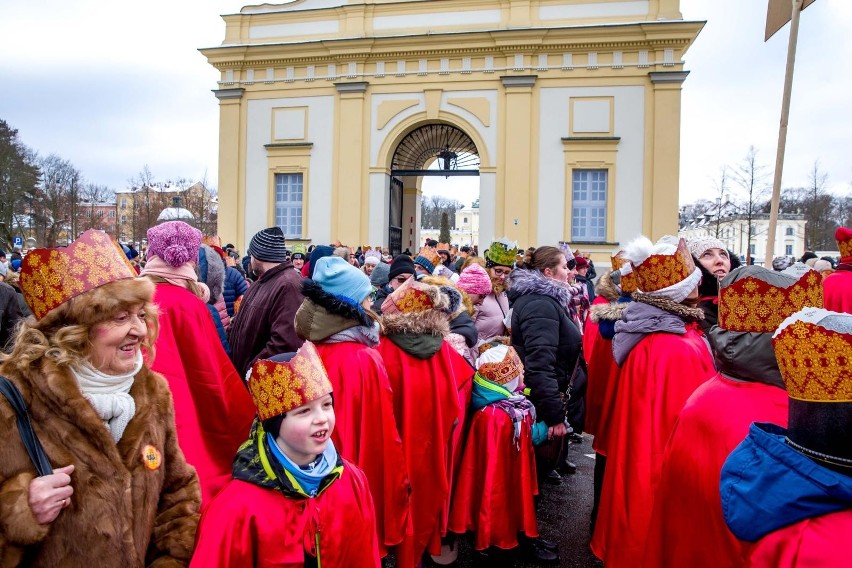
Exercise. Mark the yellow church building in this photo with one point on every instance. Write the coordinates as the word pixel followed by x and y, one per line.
pixel 333 112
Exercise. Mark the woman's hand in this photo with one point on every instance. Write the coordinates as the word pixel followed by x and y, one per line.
pixel 556 431
pixel 50 494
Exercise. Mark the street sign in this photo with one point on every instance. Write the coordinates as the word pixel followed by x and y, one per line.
pixel 778 13
pixel 18 242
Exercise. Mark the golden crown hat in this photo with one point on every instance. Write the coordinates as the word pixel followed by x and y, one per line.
pixel 628 282
pixel 843 236
pixel 660 271
pixel 503 371
pixel 443 246
pixel 617 260
pixel 51 277
pixel 752 305
pixel 412 296
pixel 815 362
pixel 280 386
pixel 431 255
pixel 502 252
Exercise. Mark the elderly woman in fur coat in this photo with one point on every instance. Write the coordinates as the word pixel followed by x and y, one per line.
pixel 121 493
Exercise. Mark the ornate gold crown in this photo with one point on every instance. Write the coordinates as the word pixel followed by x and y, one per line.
pixel 753 305
pixel 431 255
pixel 51 277
pixel 660 271
pixel 843 236
pixel 279 387
pixel 412 296
pixel 503 371
pixel 628 283
pixel 815 362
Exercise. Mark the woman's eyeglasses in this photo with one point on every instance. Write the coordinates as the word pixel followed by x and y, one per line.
pixel 501 271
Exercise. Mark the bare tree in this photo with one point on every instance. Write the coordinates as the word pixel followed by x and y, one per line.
pixel 818 205
pixel 750 176
pixel 722 192
pixel 57 210
pixel 19 177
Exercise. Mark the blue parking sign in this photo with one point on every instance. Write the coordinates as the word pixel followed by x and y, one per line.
pixel 18 242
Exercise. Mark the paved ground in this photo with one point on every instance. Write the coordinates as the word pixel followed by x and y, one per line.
pixel 563 515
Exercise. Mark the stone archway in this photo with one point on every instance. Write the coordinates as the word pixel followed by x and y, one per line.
pixel 456 154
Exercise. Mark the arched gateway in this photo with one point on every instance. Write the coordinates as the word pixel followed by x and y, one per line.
pixel 572 109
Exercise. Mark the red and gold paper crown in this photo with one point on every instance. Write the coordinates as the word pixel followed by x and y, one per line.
pixel 51 277
pixel 756 306
pixel 628 282
pixel 279 387
pixel 815 362
pixel 412 296
pixel 431 255
pixel 660 271
pixel 843 236
pixel 503 371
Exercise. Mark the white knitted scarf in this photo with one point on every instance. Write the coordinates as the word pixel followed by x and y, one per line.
pixel 109 395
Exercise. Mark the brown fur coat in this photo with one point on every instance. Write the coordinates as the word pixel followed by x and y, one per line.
pixel 122 512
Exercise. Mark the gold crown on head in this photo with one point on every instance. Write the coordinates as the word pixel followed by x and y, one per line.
pixel 279 387
pixel 503 371
pixel 752 305
pixel 843 236
pixel 815 362
pixel 51 277
pixel 660 271
pixel 413 296
pixel 628 282
pixel 502 252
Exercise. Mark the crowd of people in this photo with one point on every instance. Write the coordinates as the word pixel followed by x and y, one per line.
pixel 337 407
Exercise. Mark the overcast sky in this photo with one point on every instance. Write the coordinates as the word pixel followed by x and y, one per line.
pixel 113 86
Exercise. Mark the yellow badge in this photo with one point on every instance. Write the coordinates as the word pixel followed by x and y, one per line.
pixel 152 457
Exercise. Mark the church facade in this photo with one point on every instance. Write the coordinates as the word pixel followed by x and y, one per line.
pixel 333 112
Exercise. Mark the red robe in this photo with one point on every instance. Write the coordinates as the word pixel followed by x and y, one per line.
pixel 247 526
pixel 820 542
pixel 495 490
pixel 427 394
pixel 657 377
pixel 213 408
pixel 596 384
pixel 366 431
pixel 687 526
pixel 837 290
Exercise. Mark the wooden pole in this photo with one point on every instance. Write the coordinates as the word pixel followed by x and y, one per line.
pixel 782 134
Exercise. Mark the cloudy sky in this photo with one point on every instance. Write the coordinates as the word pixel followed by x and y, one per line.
pixel 113 86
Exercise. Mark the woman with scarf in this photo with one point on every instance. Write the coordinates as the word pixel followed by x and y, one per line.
pixel 495 491
pixel 715 262
pixel 213 410
pixel 547 341
pixel 117 490
pixel 335 316
pixel 663 357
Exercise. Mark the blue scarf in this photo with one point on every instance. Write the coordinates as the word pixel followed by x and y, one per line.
pixel 308 477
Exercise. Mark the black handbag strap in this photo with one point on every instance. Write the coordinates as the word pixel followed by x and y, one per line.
pixel 25 427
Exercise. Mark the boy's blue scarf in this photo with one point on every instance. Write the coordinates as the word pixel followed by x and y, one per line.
pixel 310 476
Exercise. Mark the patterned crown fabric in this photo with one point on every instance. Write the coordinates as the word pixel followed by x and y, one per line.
pixel 412 296
pixel 815 362
pixel 660 271
pixel 431 255
pixel 279 387
pixel 503 371
pixel 51 277
pixel 502 253
pixel 628 283
pixel 752 305
pixel 843 236
pixel 618 260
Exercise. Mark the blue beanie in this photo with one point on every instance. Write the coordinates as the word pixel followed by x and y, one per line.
pixel 319 252
pixel 425 263
pixel 339 278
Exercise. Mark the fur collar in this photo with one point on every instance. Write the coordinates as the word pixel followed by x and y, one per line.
pixel 607 288
pixel 431 322
pixel 334 304
pixel 670 306
pixel 608 312
pixel 522 282
pixel 323 315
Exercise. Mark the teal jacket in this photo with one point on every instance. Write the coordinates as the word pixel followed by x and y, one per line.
pixel 485 393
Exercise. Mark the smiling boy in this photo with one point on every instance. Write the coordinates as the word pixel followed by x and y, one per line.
pixel 293 501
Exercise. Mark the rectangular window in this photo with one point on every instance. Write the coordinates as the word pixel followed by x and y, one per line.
pixel 751 248
pixel 588 216
pixel 789 232
pixel 112 214
pixel 788 250
pixel 288 204
pixel 124 203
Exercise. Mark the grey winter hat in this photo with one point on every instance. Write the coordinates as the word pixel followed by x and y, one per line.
pixel 268 245
pixel 379 276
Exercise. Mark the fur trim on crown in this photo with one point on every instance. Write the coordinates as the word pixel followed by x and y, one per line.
pixel 607 312
pixel 431 322
pixel 607 288
pixel 639 249
pixel 334 304
pixel 669 305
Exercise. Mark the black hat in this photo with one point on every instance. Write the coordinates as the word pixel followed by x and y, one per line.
pixel 401 264
pixel 268 245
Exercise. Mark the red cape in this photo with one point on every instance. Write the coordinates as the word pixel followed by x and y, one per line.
pixel 599 363
pixel 687 526
pixel 427 394
pixel 366 432
pixel 494 493
pixel 247 525
pixel 213 408
pixel 820 542
pixel 657 377
pixel 837 291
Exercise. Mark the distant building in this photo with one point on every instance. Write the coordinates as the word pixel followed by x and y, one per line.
pixel 732 229
pixel 139 208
